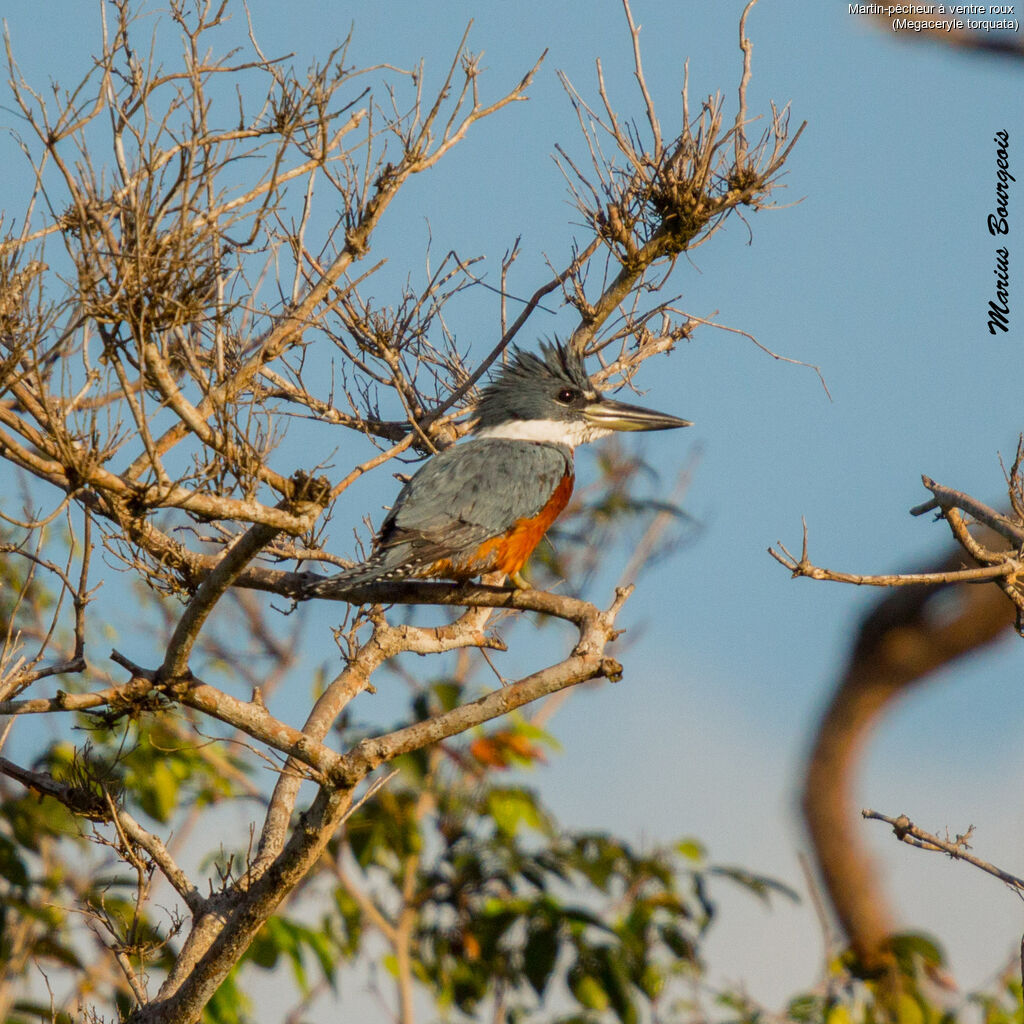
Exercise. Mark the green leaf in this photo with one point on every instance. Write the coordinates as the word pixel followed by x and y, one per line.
pixel 264 950
pixel 539 956
pixel 12 867
pixel 292 938
pixel 651 981
pixel 678 941
pixel 909 945
pixel 447 693
pixel 351 915
pixel 838 1014
pixel 808 1007
pixel 760 885
pixel 615 980
pixel 589 992
pixel 909 1010
pixel 229 1005
pixel 161 794
pixel 526 728
pixel 35 1012
pixel 511 808
pixel 691 850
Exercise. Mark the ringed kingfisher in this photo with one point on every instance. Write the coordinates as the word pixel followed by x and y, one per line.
pixel 483 505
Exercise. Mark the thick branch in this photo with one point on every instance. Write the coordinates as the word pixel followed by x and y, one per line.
pixel 902 642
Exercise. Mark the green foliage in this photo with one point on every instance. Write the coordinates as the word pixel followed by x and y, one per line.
pixel 497 904
pixel 1003 1005
pixel 294 941
pixel 161 767
pixel 915 989
pixel 229 1005
pixel 506 905
pixel 35 884
pixel 509 905
pixel 47 870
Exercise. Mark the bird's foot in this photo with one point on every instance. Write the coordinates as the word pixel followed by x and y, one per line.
pixel 519 581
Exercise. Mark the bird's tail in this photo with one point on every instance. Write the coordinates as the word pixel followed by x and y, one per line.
pixel 372 570
pixel 380 567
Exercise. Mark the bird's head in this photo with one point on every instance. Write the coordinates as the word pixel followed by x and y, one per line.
pixel 550 397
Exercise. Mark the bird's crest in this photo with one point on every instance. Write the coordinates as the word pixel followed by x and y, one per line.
pixel 557 363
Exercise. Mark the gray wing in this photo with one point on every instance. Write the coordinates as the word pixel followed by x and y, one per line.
pixel 468 494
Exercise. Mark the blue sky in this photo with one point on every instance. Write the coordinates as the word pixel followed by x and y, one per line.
pixel 880 272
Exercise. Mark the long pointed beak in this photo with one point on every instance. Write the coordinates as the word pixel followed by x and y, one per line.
pixel 608 414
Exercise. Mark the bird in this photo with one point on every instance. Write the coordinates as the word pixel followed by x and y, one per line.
pixel 483 505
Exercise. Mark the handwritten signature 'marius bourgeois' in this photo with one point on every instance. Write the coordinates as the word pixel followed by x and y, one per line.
pixel 999 224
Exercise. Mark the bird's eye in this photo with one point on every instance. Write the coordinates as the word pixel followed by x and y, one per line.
pixel 567 395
